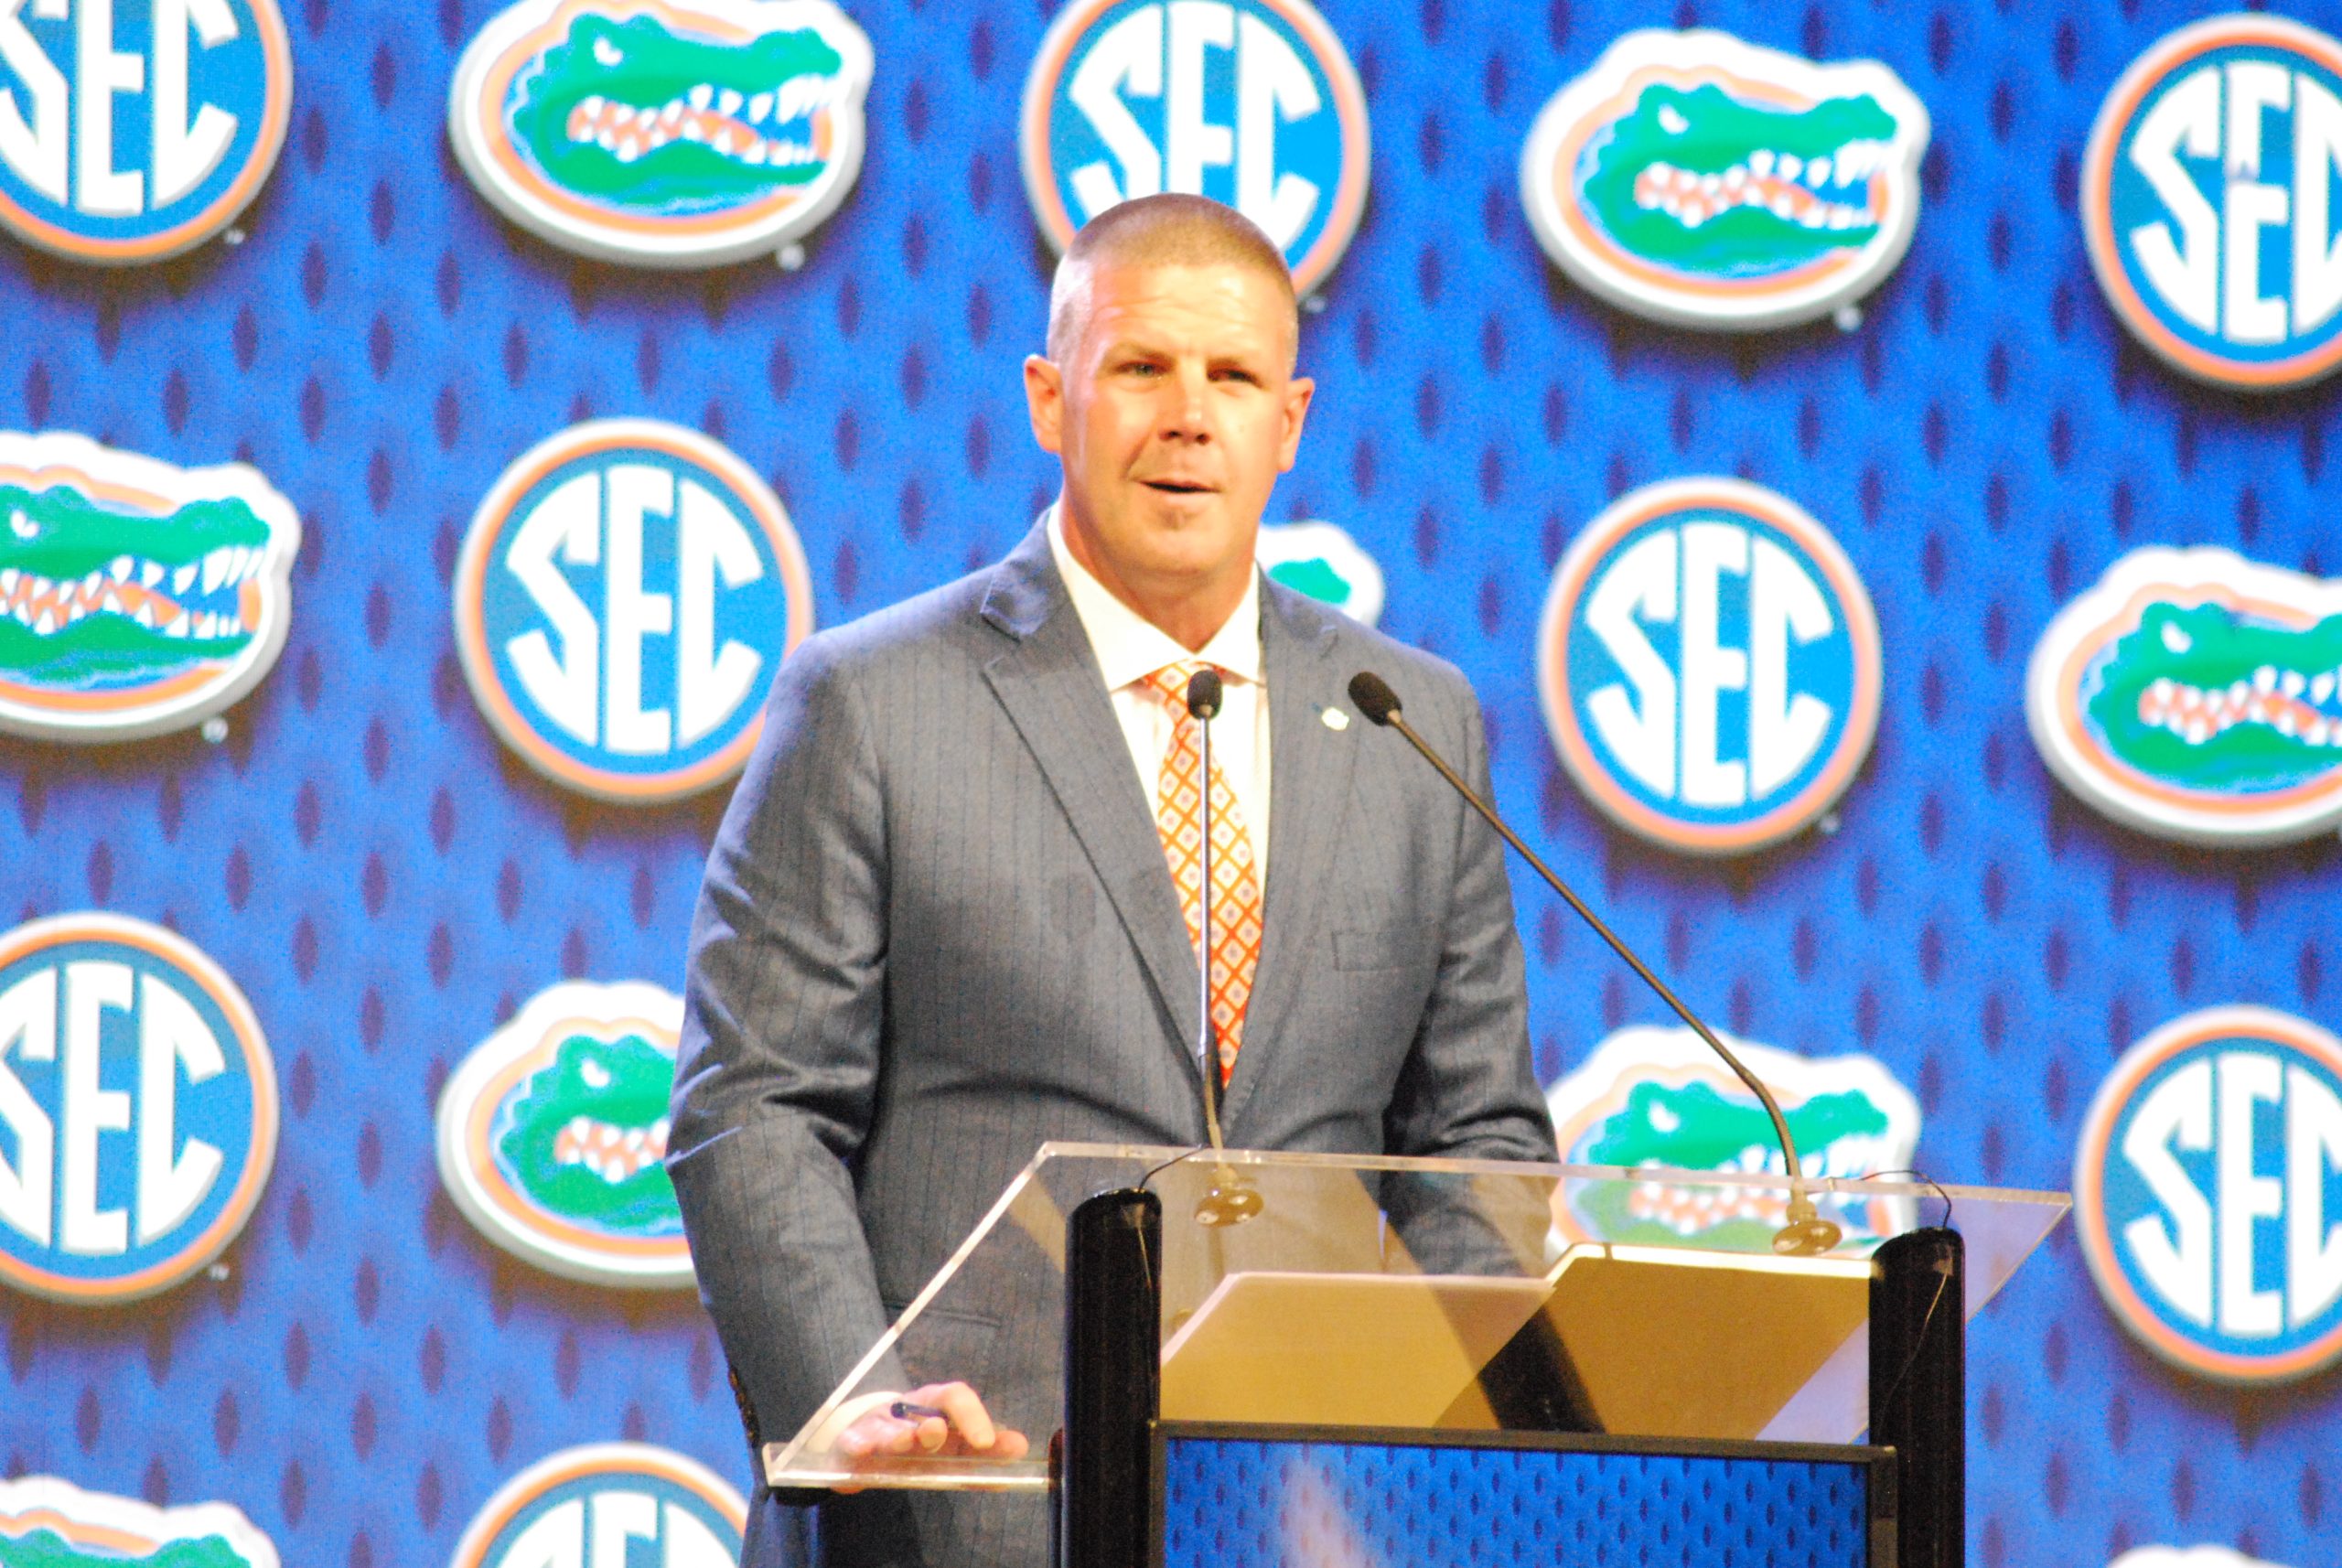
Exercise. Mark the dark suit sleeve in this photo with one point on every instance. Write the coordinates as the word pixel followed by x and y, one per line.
pixel 1468 1089
pixel 779 1058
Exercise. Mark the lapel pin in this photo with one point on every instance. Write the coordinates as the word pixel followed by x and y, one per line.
pixel 1335 718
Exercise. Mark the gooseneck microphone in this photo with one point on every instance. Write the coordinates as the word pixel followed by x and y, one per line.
pixel 1229 1201
pixel 1807 1234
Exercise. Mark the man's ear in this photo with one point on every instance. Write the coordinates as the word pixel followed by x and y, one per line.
pixel 1297 394
pixel 1045 401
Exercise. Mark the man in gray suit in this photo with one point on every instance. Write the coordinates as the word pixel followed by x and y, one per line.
pixel 941 926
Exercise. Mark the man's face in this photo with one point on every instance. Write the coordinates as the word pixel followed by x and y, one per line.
pixel 1174 412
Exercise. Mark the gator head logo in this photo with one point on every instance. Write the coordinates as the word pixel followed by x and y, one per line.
pixel 2207 201
pixel 135 598
pixel 2193 695
pixel 625 593
pixel 2205 1186
pixel 1250 103
pixel 1697 179
pixel 49 1523
pixel 134 130
pixel 606 1504
pixel 140 1108
pixel 1322 561
pixel 552 1132
pixel 1659 1097
pixel 1710 665
pixel 679 135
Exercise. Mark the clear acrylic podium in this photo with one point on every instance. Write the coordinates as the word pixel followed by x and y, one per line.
pixel 1111 1287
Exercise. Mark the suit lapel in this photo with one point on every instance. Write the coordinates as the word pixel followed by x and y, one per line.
pixel 1309 789
pixel 1049 684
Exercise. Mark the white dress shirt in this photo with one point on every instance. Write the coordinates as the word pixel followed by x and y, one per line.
pixel 1130 649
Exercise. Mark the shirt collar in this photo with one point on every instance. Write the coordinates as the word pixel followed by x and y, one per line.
pixel 1131 647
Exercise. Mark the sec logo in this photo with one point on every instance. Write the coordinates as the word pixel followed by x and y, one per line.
pixel 2206 201
pixel 2208 1189
pixel 46 1522
pixel 135 598
pixel 141 1105
pixel 2191 695
pixel 1252 102
pixel 550 1135
pixel 1693 178
pixel 133 130
pixel 665 134
pixel 1661 1097
pixel 1710 665
pixel 625 593
pixel 609 1505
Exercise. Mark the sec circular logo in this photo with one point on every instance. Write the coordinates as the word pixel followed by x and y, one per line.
pixel 1709 666
pixel 1252 102
pixel 2206 201
pixel 2207 1188
pixel 609 1503
pixel 133 130
pixel 623 597
pixel 140 1101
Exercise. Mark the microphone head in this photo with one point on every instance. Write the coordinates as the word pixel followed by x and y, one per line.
pixel 1375 700
pixel 1203 693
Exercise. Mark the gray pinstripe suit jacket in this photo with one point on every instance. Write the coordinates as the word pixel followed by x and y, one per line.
pixel 937 929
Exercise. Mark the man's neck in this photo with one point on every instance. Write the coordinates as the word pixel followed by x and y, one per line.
pixel 1189 613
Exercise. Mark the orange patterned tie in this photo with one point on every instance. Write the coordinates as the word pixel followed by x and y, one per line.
pixel 1236 890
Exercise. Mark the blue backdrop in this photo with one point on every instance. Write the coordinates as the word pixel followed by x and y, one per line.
pixel 386 882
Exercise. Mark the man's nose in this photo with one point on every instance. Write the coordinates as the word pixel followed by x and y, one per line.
pixel 1187 408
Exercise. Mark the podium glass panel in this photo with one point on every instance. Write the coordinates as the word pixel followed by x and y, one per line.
pixel 1447 1294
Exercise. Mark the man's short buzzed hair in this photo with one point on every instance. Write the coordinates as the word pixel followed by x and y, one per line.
pixel 1167 231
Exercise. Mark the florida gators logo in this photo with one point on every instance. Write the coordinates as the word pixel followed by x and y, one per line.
pixel 133 129
pixel 1659 1097
pixel 1252 102
pixel 623 597
pixel 2205 1193
pixel 1321 560
pixel 141 1107
pixel 1710 665
pixel 664 133
pixel 1693 178
pixel 2208 202
pixel 49 1523
pixel 2193 695
pixel 552 1133
pixel 135 598
pixel 606 1504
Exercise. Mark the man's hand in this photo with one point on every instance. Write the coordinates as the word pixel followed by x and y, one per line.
pixel 964 1427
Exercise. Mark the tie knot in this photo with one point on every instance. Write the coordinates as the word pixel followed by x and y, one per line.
pixel 1171 681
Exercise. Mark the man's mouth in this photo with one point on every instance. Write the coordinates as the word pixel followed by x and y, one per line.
pixel 1178 486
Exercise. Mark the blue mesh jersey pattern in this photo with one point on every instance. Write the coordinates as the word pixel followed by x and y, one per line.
pixel 386 882
pixel 1298 1505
